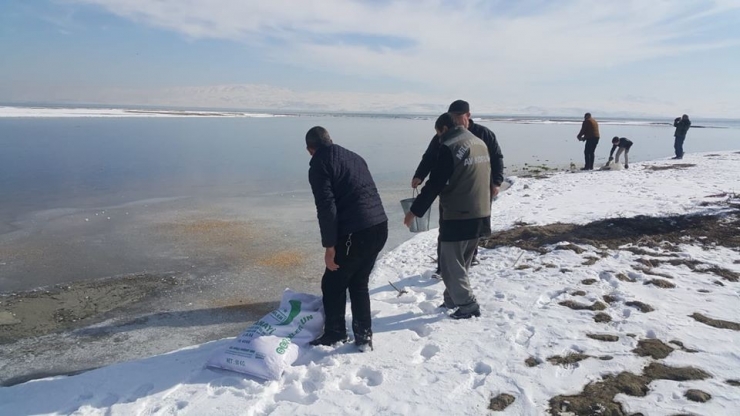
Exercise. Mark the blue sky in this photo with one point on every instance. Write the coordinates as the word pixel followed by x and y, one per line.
pixel 531 56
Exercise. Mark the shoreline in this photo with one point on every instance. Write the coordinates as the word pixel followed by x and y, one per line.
pixel 115 323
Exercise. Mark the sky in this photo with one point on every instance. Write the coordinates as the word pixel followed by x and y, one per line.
pixel 629 57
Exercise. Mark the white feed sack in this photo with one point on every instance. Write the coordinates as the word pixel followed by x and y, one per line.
pixel 273 343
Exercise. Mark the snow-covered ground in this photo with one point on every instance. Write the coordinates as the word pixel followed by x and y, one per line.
pixel 426 363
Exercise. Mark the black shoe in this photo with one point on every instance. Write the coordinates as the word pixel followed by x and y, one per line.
pixel 458 314
pixel 626 166
pixel 330 339
pixel 584 168
pixel 475 261
pixel 437 275
pixel 677 158
pixel 364 345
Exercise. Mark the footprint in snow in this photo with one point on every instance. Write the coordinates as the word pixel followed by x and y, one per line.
pixel 296 393
pixel 361 382
pixel 426 353
pixel 523 335
pixel 422 330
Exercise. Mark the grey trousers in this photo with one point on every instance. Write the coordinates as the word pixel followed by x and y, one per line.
pixel 454 261
pixel 626 155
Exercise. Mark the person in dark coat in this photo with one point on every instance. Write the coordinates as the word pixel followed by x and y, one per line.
pixel 590 134
pixel 624 145
pixel 461 179
pixel 682 125
pixel 354 229
pixel 461 109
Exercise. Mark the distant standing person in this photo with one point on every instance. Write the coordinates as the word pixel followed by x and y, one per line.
pixel 354 228
pixel 624 145
pixel 682 125
pixel 461 177
pixel 460 110
pixel 590 134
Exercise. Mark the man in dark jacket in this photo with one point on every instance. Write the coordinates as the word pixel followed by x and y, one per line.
pixel 590 134
pixel 624 145
pixel 354 228
pixel 682 125
pixel 461 110
pixel 461 177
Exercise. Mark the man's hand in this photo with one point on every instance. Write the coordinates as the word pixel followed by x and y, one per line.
pixel 408 218
pixel 329 259
pixel 415 182
pixel 495 190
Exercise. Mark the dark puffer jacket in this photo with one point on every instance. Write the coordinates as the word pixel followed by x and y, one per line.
pixel 682 126
pixel 346 197
pixel 431 155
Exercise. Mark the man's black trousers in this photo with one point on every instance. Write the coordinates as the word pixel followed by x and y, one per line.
pixel 353 275
pixel 589 152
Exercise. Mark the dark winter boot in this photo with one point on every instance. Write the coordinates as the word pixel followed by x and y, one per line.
pixel 459 314
pixel 329 339
pixel 363 339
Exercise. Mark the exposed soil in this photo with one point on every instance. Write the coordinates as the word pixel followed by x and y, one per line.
pixel 658 371
pixel 610 299
pixel 590 261
pixel 623 277
pixel 571 247
pixel 64 307
pixel 735 383
pixel 501 402
pixel 573 358
pixel 643 307
pixel 683 347
pixel 598 398
pixel 717 323
pixel 596 306
pixel 579 293
pixel 588 281
pixel 654 348
pixel 661 283
pixel 677 166
pixel 603 337
pixel 532 362
pixel 602 317
pixel 694 265
pixel 697 396
pixel 569 359
pixel 652 232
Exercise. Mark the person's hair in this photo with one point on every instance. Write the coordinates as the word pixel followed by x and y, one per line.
pixel 445 120
pixel 587 115
pixel 615 139
pixel 318 137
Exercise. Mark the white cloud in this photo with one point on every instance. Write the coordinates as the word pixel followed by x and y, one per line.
pixel 487 45
pixel 477 49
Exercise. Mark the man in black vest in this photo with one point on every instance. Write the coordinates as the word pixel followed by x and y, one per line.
pixel 461 109
pixel 462 178
pixel 354 228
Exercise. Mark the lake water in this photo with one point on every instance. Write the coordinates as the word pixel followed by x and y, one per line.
pixel 90 197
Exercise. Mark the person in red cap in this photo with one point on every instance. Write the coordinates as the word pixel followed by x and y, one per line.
pixel 460 112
